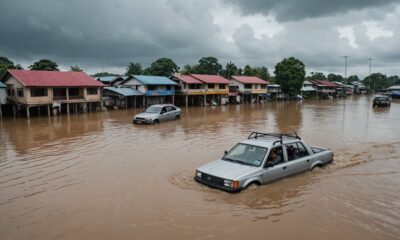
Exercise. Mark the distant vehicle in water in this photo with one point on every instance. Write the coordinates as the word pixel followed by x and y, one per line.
pixel 158 113
pixel 262 158
pixel 381 101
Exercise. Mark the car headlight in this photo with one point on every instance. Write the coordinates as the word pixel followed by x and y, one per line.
pixel 198 174
pixel 231 184
pixel 227 183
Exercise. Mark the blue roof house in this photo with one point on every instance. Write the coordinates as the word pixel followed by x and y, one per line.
pixel 156 89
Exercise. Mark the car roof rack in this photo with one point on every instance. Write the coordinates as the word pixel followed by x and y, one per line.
pixel 278 136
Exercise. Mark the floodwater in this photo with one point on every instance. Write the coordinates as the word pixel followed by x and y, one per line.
pixel 97 176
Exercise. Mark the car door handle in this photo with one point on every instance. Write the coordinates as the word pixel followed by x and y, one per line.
pixel 308 160
pixel 284 167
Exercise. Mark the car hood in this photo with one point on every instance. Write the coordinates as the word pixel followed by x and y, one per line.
pixel 225 169
pixel 146 115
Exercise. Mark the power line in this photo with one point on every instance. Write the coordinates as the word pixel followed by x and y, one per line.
pixel 345 69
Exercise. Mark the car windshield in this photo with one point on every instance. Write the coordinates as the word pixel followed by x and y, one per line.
pixel 246 154
pixel 153 109
pixel 382 98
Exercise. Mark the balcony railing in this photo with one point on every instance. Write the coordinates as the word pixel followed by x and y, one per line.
pixel 159 92
pixel 59 97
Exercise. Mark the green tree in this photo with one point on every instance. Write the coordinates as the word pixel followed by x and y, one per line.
pixel 208 65
pixel 335 78
pixel 187 69
pixel 353 78
pixel 134 69
pixel 230 70
pixel 76 68
pixel 290 74
pixel 394 80
pixel 376 81
pixel 6 64
pixel 44 64
pixel 162 67
pixel 248 71
pixel 103 74
pixel 262 72
pixel 316 76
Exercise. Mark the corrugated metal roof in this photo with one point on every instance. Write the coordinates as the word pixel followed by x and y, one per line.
pixel 31 78
pixel 127 92
pixel 307 89
pixel 249 80
pixel 211 78
pixel 154 80
pixel 188 79
pixel 2 85
pixel 325 83
pixel 395 87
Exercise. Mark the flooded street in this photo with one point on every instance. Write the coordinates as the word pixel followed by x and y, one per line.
pixel 98 176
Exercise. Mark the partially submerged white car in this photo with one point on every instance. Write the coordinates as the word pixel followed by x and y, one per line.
pixel 262 158
pixel 158 113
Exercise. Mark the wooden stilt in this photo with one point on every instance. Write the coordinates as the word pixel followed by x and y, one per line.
pixel 67 108
pixel 48 110
pixel 186 100
pixel 27 112
pixel 14 110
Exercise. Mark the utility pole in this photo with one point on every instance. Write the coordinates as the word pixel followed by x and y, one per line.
pixel 345 74
pixel 369 77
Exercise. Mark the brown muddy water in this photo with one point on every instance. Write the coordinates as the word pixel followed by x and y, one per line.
pixel 97 176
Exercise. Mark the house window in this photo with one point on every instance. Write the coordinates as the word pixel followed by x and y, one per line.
pixel 91 91
pixel 210 85
pixel 222 86
pixel 169 87
pixel 247 86
pixel 20 92
pixel 38 92
pixel 263 86
pixel 151 87
pixel 194 86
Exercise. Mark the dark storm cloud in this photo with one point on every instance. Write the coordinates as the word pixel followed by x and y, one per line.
pixel 114 33
pixel 111 31
pixel 292 10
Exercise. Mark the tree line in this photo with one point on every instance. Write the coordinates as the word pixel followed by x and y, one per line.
pixel 289 73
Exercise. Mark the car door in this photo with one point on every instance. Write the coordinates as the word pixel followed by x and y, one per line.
pixel 299 159
pixel 277 171
pixel 163 114
pixel 170 113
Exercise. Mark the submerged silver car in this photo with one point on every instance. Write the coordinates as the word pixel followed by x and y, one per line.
pixel 262 158
pixel 158 113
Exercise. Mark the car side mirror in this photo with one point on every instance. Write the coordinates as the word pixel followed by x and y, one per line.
pixel 225 152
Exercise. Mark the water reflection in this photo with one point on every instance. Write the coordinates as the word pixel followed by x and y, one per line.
pixel 100 172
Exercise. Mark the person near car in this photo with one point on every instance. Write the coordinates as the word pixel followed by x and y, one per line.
pixel 274 158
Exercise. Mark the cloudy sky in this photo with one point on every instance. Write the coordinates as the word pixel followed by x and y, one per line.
pixel 103 34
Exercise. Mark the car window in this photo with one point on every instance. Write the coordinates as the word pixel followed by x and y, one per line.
pixel 246 154
pixel 295 151
pixel 173 108
pixel 163 110
pixel 275 156
pixel 153 109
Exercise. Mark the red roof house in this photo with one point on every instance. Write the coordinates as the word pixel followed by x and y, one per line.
pixel 249 80
pixel 31 78
pixel 211 79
